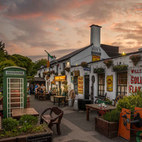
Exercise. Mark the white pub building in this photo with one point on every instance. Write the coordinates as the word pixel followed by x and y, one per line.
pixel 95 70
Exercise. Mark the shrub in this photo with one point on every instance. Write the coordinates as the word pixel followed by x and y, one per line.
pixel 10 124
pixel 130 102
pixel 28 119
pixel 112 116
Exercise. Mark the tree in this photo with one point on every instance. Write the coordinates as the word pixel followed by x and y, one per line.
pixel 3 52
pixel 4 64
pixel 23 61
pixel 39 63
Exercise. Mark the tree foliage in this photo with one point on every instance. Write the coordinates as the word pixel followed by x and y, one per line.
pixel 18 60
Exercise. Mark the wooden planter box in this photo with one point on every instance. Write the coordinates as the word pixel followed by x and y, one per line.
pixel 38 137
pixel 108 129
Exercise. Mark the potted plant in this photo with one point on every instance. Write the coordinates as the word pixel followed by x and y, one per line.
pixel 23 129
pixel 135 59
pixel 120 68
pixel 67 69
pixel 84 64
pixel 108 123
pixel 99 70
pixel 108 63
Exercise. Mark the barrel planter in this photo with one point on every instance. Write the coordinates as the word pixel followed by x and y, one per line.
pixel 37 137
pixel 106 128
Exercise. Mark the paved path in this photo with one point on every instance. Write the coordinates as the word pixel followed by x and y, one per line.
pixel 74 126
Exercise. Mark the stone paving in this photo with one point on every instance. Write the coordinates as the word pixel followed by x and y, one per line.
pixel 74 127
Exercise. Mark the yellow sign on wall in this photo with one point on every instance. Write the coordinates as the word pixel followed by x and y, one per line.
pixel 60 78
pixel 95 58
pixel 110 83
pixel 80 84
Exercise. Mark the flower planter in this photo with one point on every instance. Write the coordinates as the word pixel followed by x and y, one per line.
pixel 99 70
pixel 37 137
pixel 120 68
pixel 108 129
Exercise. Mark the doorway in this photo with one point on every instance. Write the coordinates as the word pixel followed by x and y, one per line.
pixel 86 85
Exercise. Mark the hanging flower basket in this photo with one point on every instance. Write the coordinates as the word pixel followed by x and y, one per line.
pixel 99 70
pixel 67 69
pixel 63 73
pixel 84 64
pixel 52 72
pixel 64 82
pixel 135 59
pixel 108 63
pixel 45 73
pixel 77 73
pixel 120 68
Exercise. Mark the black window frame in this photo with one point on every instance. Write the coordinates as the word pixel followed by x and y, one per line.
pixel 101 85
pixel 122 83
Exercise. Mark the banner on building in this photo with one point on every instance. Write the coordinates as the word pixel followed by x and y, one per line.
pixel 95 58
pixel 110 83
pixel 135 80
pixel 80 84
pixel 48 64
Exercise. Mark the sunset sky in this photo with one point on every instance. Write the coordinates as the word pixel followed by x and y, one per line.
pixel 28 27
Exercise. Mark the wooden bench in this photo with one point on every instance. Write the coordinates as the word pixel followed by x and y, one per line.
pixel 115 101
pixel 53 118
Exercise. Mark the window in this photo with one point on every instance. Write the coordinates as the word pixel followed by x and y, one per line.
pixel 101 84
pixel 122 83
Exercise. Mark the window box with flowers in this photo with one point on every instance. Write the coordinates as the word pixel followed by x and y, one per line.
pixel 84 64
pixel 135 59
pixel 108 63
pixel 67 69
pixel 99 70
pixel 120 68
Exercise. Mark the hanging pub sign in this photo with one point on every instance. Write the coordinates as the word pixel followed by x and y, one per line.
pixel 60 78
pixel 80 84
pixel 135 80
pixel 110 83
pixel 95 58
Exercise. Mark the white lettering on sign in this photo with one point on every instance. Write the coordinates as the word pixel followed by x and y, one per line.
pixel 14 73
pixel 135 80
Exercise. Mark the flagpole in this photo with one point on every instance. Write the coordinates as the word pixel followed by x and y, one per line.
pixel 47 57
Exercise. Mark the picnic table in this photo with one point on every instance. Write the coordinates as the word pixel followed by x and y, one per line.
pixel 18 112
pixel 97 108
pixel 59 99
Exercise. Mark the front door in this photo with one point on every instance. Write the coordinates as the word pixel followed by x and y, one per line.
pixel 86 85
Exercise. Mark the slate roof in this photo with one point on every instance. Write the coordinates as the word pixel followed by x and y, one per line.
pixel 111 51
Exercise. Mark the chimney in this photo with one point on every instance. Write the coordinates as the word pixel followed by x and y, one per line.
pixel 95 35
